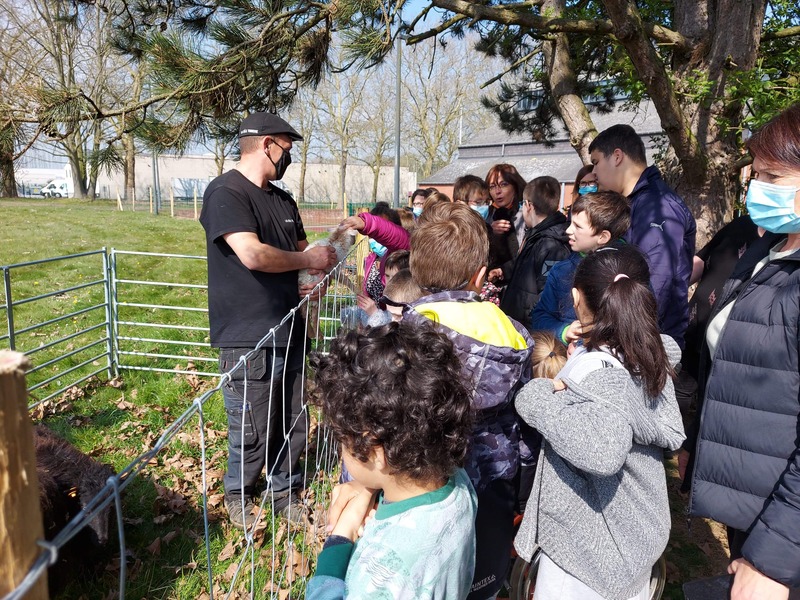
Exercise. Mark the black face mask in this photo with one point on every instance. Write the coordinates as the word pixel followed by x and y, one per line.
pixel 283 162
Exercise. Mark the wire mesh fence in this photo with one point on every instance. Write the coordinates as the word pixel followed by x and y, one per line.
pixel 274 556
pixel 317 216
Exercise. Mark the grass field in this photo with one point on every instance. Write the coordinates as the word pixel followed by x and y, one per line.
pixel 116 422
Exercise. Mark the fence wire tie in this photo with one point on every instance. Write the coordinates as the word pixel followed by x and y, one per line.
pixel 52 549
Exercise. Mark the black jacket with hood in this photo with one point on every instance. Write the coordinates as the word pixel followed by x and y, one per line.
pixel 543 246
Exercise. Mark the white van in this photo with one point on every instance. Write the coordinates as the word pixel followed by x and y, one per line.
pixel 58 188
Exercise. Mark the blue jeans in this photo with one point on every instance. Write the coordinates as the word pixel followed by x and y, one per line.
pixel 264 431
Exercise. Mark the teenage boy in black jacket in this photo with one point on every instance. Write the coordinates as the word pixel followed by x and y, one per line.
pixel 544 245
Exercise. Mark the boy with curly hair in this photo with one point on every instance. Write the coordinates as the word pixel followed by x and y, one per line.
pixel 394 399
pixel 449 252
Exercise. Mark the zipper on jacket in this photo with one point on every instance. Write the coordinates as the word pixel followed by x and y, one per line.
pixel 739 293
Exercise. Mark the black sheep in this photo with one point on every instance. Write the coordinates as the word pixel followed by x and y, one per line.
pixel 68 480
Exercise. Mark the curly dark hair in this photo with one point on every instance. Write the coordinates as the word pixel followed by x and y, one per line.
pixel 398 386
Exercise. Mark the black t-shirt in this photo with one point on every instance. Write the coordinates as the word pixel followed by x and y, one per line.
pixel 243 305
pixel 720 256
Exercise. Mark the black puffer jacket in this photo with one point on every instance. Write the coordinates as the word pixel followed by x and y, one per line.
pixel 543 246
pixel 747 463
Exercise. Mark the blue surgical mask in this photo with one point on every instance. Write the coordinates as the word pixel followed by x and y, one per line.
pixel 378 249
pixel 483 211
pixel 771 206
pixel 417 210
pixel 587 189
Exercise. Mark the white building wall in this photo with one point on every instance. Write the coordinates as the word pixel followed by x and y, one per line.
pixel 182 173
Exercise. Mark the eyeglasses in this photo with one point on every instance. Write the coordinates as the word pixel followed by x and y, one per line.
pixel 501 185
pixel 383 302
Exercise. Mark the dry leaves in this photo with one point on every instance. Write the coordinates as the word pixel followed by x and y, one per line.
pixel 296 565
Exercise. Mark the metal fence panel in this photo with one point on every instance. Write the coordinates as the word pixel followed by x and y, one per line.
pixel 60 318
pixel 265 563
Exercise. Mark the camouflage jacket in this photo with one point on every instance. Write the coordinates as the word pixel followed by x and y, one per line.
pixel 495 352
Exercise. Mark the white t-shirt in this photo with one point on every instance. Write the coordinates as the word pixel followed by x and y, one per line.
pixel 717 324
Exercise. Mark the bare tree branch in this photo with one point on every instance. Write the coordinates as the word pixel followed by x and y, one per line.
pixel 510 14
pixel 629 30
pixel 782 33
pixel 513 66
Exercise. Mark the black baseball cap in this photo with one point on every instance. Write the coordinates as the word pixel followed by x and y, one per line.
pixel 264 123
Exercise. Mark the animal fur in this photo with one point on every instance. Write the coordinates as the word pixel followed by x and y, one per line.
pixel 68 480
pixel 341 240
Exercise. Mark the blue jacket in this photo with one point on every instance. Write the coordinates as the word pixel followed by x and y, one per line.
pixel 495 354
pixel 664 230
pixel 747 460
pixel 555 311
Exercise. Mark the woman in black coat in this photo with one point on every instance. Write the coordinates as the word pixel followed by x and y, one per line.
pixel 747 457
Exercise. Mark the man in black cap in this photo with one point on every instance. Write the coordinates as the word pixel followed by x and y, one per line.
pixel 255 241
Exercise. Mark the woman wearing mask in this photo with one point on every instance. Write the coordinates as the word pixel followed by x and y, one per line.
pixel 418 200
pixel 747 458
pixel 585 183
pixel 506 186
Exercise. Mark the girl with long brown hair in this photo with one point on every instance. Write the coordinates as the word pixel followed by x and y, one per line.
pixel 599 509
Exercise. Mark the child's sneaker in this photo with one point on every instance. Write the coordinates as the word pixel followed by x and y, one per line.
pixel 239 518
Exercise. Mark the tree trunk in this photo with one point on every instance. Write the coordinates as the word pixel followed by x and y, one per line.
pixel 8 182
pixel 730 43
pixel 219 157
pixel 342 178
pixel 77 161
pixel 564 86
pixel 703 151
pixel 376 174
pixel 301 193
pixel 91 187
pixel 129 150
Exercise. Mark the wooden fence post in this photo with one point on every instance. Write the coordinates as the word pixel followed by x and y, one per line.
pixel 20 515
pixel 171 203
pixel 151 201
pixel 195 202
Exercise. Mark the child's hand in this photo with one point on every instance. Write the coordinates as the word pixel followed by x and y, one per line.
pixel 495 275
pixel 366 304
pixel 351 504
pixel 574 331
pixel 354 222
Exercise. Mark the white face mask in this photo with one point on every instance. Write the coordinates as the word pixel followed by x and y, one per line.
pixel 771 206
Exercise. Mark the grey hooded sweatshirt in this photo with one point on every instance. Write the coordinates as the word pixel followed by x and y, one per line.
pixel 599 505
